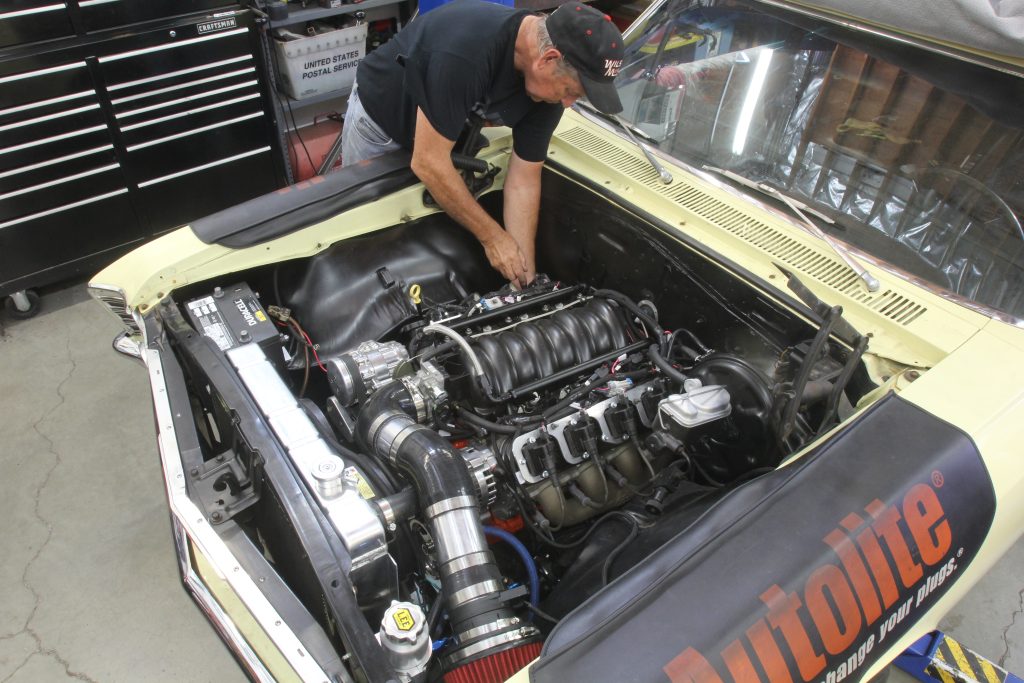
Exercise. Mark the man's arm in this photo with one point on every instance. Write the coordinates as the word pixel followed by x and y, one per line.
pixel 432 164
pixel 522 206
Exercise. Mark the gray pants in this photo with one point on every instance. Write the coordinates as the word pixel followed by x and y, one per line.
pixel 361 137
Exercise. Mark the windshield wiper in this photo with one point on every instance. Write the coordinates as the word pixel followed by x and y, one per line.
pixel 799 208
pixel 632 132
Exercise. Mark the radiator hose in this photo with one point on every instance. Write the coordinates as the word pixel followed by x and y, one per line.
pixel 447 497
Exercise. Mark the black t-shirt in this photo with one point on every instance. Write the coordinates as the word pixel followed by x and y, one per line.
pixel 449 62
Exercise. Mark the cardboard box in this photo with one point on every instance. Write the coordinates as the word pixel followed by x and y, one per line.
pixel 315 65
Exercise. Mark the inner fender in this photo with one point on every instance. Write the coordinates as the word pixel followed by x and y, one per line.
pixel 358 289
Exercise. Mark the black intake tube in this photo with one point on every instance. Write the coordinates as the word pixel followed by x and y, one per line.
pixel 447 494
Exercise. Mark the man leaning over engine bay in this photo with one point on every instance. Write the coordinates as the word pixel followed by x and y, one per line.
pixel 510 67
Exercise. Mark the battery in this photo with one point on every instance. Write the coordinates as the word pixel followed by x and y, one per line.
pixel 232 316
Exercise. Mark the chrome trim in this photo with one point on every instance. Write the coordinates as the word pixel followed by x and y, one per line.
pixel 43 103
pixel 125 343
pixel 180 72
pixel 496 625
pixel 195 131
pixel 170 46
pixel 477 590
pixel 196 169
pixel 90 3
pixel 637 23
pixel 49 117
pixel 60 181
pixel 114 300
pixel 55 138
pixel 180 86
pixel 193 523
pixel 225 628
pixel 465 562
pixel 42 72
pixel 190 98
pixel 30 11
pixel 448 504
pixel 66 207
pixel 190 112
pixel 58 160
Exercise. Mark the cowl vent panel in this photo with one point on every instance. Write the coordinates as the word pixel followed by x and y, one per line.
pixel 794 255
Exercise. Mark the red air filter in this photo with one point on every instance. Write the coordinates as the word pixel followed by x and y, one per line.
pixel 495 668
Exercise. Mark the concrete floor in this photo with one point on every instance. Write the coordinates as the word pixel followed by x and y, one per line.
pixel 89 586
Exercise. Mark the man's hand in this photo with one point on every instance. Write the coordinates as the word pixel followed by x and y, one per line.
pixel 670 76
pixel 431 162
pixel 506 257
pixel 522 204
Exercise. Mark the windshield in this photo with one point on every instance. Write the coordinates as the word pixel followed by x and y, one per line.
pixel 919 158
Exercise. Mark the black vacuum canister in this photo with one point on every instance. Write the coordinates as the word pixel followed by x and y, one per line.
pixel 233 316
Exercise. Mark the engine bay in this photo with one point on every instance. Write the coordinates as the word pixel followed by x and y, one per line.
pixel 490 458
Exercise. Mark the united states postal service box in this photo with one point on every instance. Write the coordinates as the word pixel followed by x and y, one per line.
pixel 319 64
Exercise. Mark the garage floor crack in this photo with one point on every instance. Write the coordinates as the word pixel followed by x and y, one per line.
pixel 52 654
pixel 41 648
pixel 1006 631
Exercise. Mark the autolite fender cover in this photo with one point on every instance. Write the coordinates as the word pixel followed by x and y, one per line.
pixel 809 573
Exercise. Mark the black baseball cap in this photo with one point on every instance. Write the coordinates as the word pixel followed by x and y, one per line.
pixel 592 44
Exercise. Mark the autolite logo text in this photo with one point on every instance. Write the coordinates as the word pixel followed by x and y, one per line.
pixel 841 601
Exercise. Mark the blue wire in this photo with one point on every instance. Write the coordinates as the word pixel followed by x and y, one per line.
pixel 524 554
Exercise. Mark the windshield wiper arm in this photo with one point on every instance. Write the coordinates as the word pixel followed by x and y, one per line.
pixel 799 208
pixel 665 176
